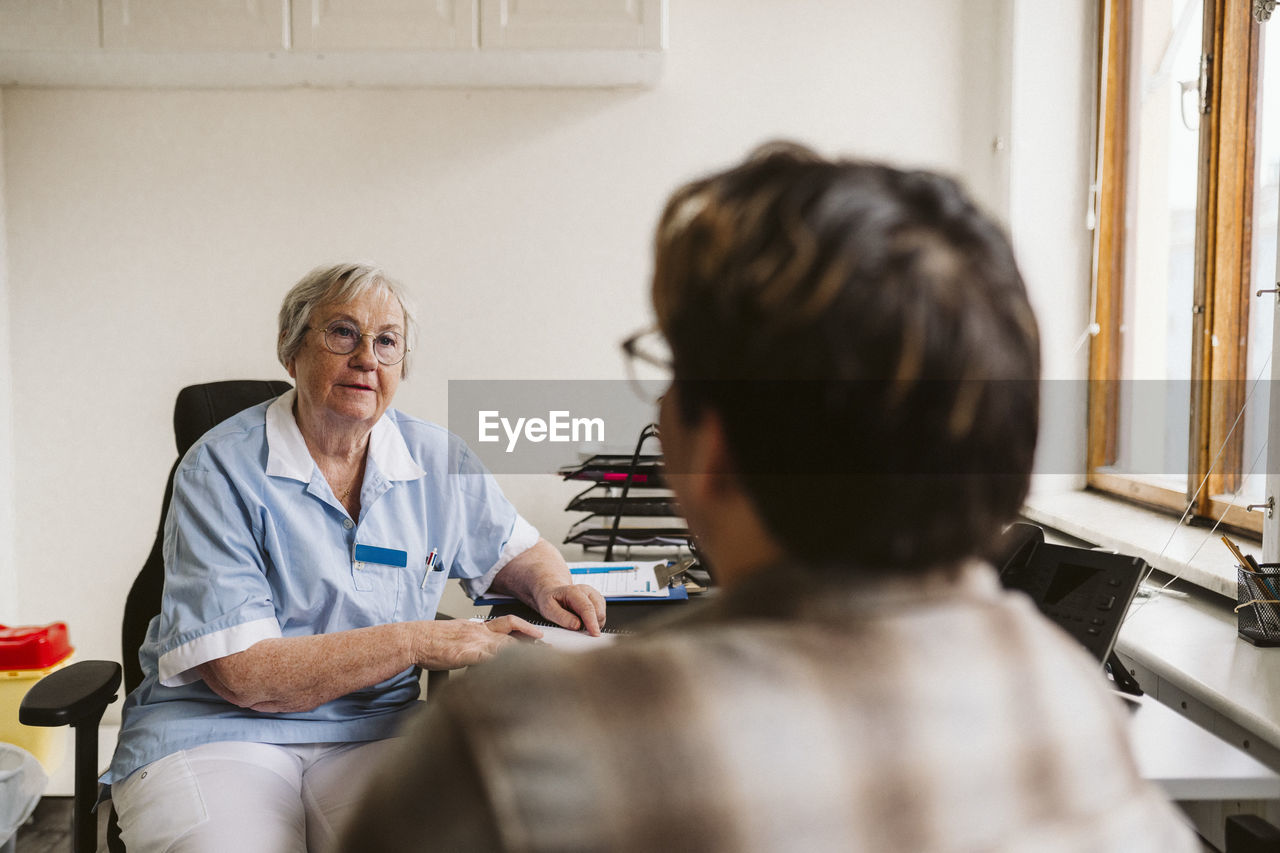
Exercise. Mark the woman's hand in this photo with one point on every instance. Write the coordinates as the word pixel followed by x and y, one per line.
pixel 540 578
pixel 572 606
pixel 455 643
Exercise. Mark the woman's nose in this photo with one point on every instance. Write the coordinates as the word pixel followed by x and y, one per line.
pixel 363 355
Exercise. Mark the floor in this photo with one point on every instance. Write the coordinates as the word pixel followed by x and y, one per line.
pixel 49 829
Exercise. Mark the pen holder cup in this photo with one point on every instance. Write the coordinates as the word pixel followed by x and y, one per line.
pixel 1258 604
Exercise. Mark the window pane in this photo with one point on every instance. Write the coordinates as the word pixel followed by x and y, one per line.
pixel 1266 194
pixel 1155 335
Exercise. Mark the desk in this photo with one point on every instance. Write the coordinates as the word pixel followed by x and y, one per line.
pixel 1190 763
pixel 1186 653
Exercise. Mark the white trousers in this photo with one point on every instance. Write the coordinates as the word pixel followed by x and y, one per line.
pixel 245 797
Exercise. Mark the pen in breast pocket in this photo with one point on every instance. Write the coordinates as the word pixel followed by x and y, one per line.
pixel 431 564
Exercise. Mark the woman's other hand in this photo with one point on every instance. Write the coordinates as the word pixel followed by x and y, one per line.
pixel 572 606
pixel 540 578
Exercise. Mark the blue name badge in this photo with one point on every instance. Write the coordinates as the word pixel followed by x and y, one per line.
pixel 382 556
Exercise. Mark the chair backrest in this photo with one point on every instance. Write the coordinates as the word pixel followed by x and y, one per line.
pixel 198 409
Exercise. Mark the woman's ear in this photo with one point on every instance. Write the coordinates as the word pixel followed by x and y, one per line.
pixel 706 458
pixel 719 461
pixel 716 505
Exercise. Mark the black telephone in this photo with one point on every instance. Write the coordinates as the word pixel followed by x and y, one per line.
pixel 1085 592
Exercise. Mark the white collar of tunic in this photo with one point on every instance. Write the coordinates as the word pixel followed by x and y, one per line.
pixel 287 454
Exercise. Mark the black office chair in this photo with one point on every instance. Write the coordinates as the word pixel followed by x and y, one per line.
pixel 78 695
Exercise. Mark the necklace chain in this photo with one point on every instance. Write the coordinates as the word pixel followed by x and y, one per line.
pixel 347 491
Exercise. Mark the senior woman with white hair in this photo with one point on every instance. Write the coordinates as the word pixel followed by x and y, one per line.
pixel 306 549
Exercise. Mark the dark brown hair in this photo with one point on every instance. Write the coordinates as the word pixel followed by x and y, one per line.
pixel 865 337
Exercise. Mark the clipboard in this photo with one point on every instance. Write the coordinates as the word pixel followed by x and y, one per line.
pixel 661 572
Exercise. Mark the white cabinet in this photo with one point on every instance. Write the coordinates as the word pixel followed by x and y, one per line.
pixel 195 25
pixel 385 24
pixel 539 24
pixel 276 43
pixel 48 24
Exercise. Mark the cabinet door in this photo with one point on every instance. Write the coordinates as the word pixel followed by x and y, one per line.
pixel 48 24
pixel 532 24
pixel 384 24
pixel 181 25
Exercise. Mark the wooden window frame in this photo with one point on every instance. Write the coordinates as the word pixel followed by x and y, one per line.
pixel 1222 261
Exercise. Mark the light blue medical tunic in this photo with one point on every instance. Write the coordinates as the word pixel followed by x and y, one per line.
pixel 257 546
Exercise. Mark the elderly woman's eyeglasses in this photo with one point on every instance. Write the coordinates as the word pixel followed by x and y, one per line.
pixel 342 338
pixel 649 365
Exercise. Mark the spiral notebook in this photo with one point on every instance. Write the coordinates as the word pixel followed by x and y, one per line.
pixel 562 639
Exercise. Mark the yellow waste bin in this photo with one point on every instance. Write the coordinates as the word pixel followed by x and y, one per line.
pixel 28 654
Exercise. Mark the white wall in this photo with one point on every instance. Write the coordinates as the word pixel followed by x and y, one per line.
pixel 9 613
pixel 1050 170
pixel 152 233
pixel 988 75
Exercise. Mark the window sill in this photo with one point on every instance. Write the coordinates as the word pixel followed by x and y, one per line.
pixel 1179 550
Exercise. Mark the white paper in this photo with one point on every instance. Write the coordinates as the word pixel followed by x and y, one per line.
pixel 625 579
